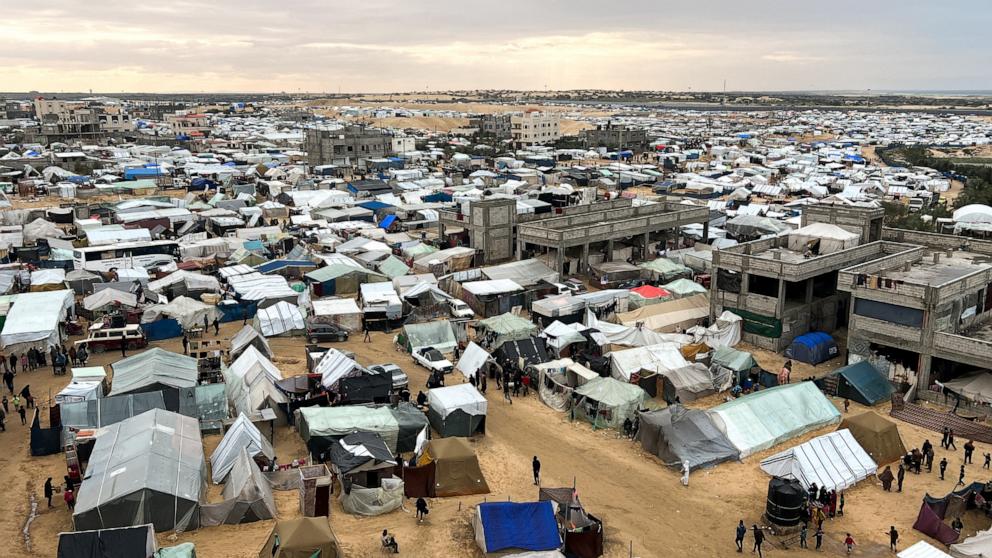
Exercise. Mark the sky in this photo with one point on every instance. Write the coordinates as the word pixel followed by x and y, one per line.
pixel 418 45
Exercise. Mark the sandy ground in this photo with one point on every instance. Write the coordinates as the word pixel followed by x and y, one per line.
pixel 640 501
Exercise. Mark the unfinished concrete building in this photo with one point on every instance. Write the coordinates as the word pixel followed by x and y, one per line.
pixel 786 286
pixel 922 312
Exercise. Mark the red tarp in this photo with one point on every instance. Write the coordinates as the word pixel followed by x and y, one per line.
pixel 650 291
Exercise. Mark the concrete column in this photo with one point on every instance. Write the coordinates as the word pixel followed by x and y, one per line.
pixel 584 262
pixel 780 308
pixel 609 250
pixel 706 231
pixel 560 260
pixel 520 249
pixel 809 291
pixel 923 374
pixel 647 243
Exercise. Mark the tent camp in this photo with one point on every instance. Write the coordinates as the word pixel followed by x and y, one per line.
pixel 606 402
pixel 364 466
pixel 512 525
pixel 680 436
pixel 189 313
pixel 736 361
pixel 691 382
pixel 303 537
pixel 33 321
pixel 506 327
pixel 659 358
pixel 145 469
pixel 976 387
pixel 120 542
pixel 240 436
pixel 251 361
pixel 335 366
pixel 447 467
pixel 458 410
pixel 822 239
pixel 812 348
pixel 834 461
pixel 342 312
pixel 724 332
pixel 863 383
pixel 282 318
pixel 771 416
pixel 583 531
pixel 878 435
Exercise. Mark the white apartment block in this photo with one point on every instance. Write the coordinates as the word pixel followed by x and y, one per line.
pixel 535 128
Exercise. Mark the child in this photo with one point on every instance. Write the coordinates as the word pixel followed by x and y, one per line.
pixel 849 543
pixel 988 461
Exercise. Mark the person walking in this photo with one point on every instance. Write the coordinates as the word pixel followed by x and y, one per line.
pixel 24 418
pixel 759 538
pixel 969 450
pixel 49 491
pixel 185 344
pixel 55 367
pixel 422 510
pixel 961 477
pixel 72 355
pixel 849 543
pixel 6 404
pixel 893 538
pixel 739 538
pixel 124 347
pixel 929 457
pixel 988 461
pixel 389 541
pixel 536 465
pixel 206 324
pixel 802 536
pixel 506 389
pixel 3 421
pixel 819 537
pixel 25 363
pixel 216 327
pixel 847 405
pixel 70 499
pixel 840 508
pixel 8 380
pixel 482 383
pixel 943 439
pixel 900 476
pixel 943 467
pixel 950 440
pixel 368 335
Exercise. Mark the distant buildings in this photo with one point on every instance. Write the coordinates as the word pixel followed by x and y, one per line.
pixel 346 146
pixel 535 128
pixel 189 124
pixel 497 126
pixel 614 136
pixel 86 117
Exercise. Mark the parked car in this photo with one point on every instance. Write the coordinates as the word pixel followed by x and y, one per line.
pixel 108 338
pixel 326 332
pixel 459 309
pixel 432 359
pixel 400 379
pixel 574 285
pixel 632 284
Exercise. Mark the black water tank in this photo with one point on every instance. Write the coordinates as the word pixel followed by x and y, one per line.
pixel 786 499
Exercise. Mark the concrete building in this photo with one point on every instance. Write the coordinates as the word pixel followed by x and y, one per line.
pixel 614 136
pixel 784 290
pixel 403 144
pixel 498 126
pixel 924 310
pixel 535 128
pixel 191 124
pixel 66 118
pixel 347 146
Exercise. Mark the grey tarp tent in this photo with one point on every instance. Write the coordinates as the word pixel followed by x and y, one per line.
pixel 120 542
pixel 458 410
pixel 242 435
pixel 146 469
pixel 247 496
pixel 682 436
pixel 606 402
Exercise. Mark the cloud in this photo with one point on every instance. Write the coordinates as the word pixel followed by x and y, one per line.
pixel 388 45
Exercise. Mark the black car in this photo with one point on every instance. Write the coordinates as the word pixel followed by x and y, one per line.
pixel 632 284
pixel 326 332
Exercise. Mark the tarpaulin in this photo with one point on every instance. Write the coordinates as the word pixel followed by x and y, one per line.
pixel 508 525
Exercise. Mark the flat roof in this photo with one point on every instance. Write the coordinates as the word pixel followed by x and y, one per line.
pixel 948 268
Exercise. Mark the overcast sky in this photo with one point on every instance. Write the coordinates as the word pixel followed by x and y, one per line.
pixel 393 45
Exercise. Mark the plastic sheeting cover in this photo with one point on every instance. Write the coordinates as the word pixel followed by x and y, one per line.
pixel 834 461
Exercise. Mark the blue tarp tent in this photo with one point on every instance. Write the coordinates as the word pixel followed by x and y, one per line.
pixel 146 172
pixel 862 383
pixel 387 221
pixel 516 525
pixel 436 197
pixel 812 348
pixel 200 183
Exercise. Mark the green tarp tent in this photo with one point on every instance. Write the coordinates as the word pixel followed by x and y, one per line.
pixel 664 269
pixel 738 361
pixel 758 324
pixel 505 327
pixel 684 287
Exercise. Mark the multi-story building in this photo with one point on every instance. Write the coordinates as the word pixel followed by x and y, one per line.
pixel 191 124
pixel 85 117
pixel 403 144
pixel 346 146
pixel 535 128
pixel 114 119
pixel 614 136
pixel 498 126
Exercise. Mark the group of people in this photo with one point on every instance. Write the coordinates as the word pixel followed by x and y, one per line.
pixel 34 358
pixel 822 504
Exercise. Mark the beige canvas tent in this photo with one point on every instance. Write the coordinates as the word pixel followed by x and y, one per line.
pixel 877 435
pixel 456 468
pixel 302 537
pixel 667 317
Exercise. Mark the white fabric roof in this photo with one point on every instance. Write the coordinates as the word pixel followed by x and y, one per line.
pixel 977 387
pixel 48 277
pixel 834 461
pixel 660 358
pixel 974 213
pixel 242 435
pixel 252 359
pixel 494 286
pixel 923 549
pixel 445 400
pixel 196 281
pixel 281 317
pixel 34 319
pixel 333 367
pixel 104 297
pixel 472 360
pixel 335 306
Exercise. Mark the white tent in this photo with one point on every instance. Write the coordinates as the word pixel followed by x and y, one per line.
pixel 333 367
pixel 33 320
pixel 79 391
pixel 282 318
pixel 834 461
pixel 107 297
pixel 973 213
pixel 464 397
pixel 242 435
pixel 660 358
pixel 253 360
pixel 923 549
pixel 472 360
pixel 832 238
pixel 977 545
pixel 249 336
pixel 976 387
pixel 725 331
pixel 43 277
pixel 193 281
pixel 188 312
